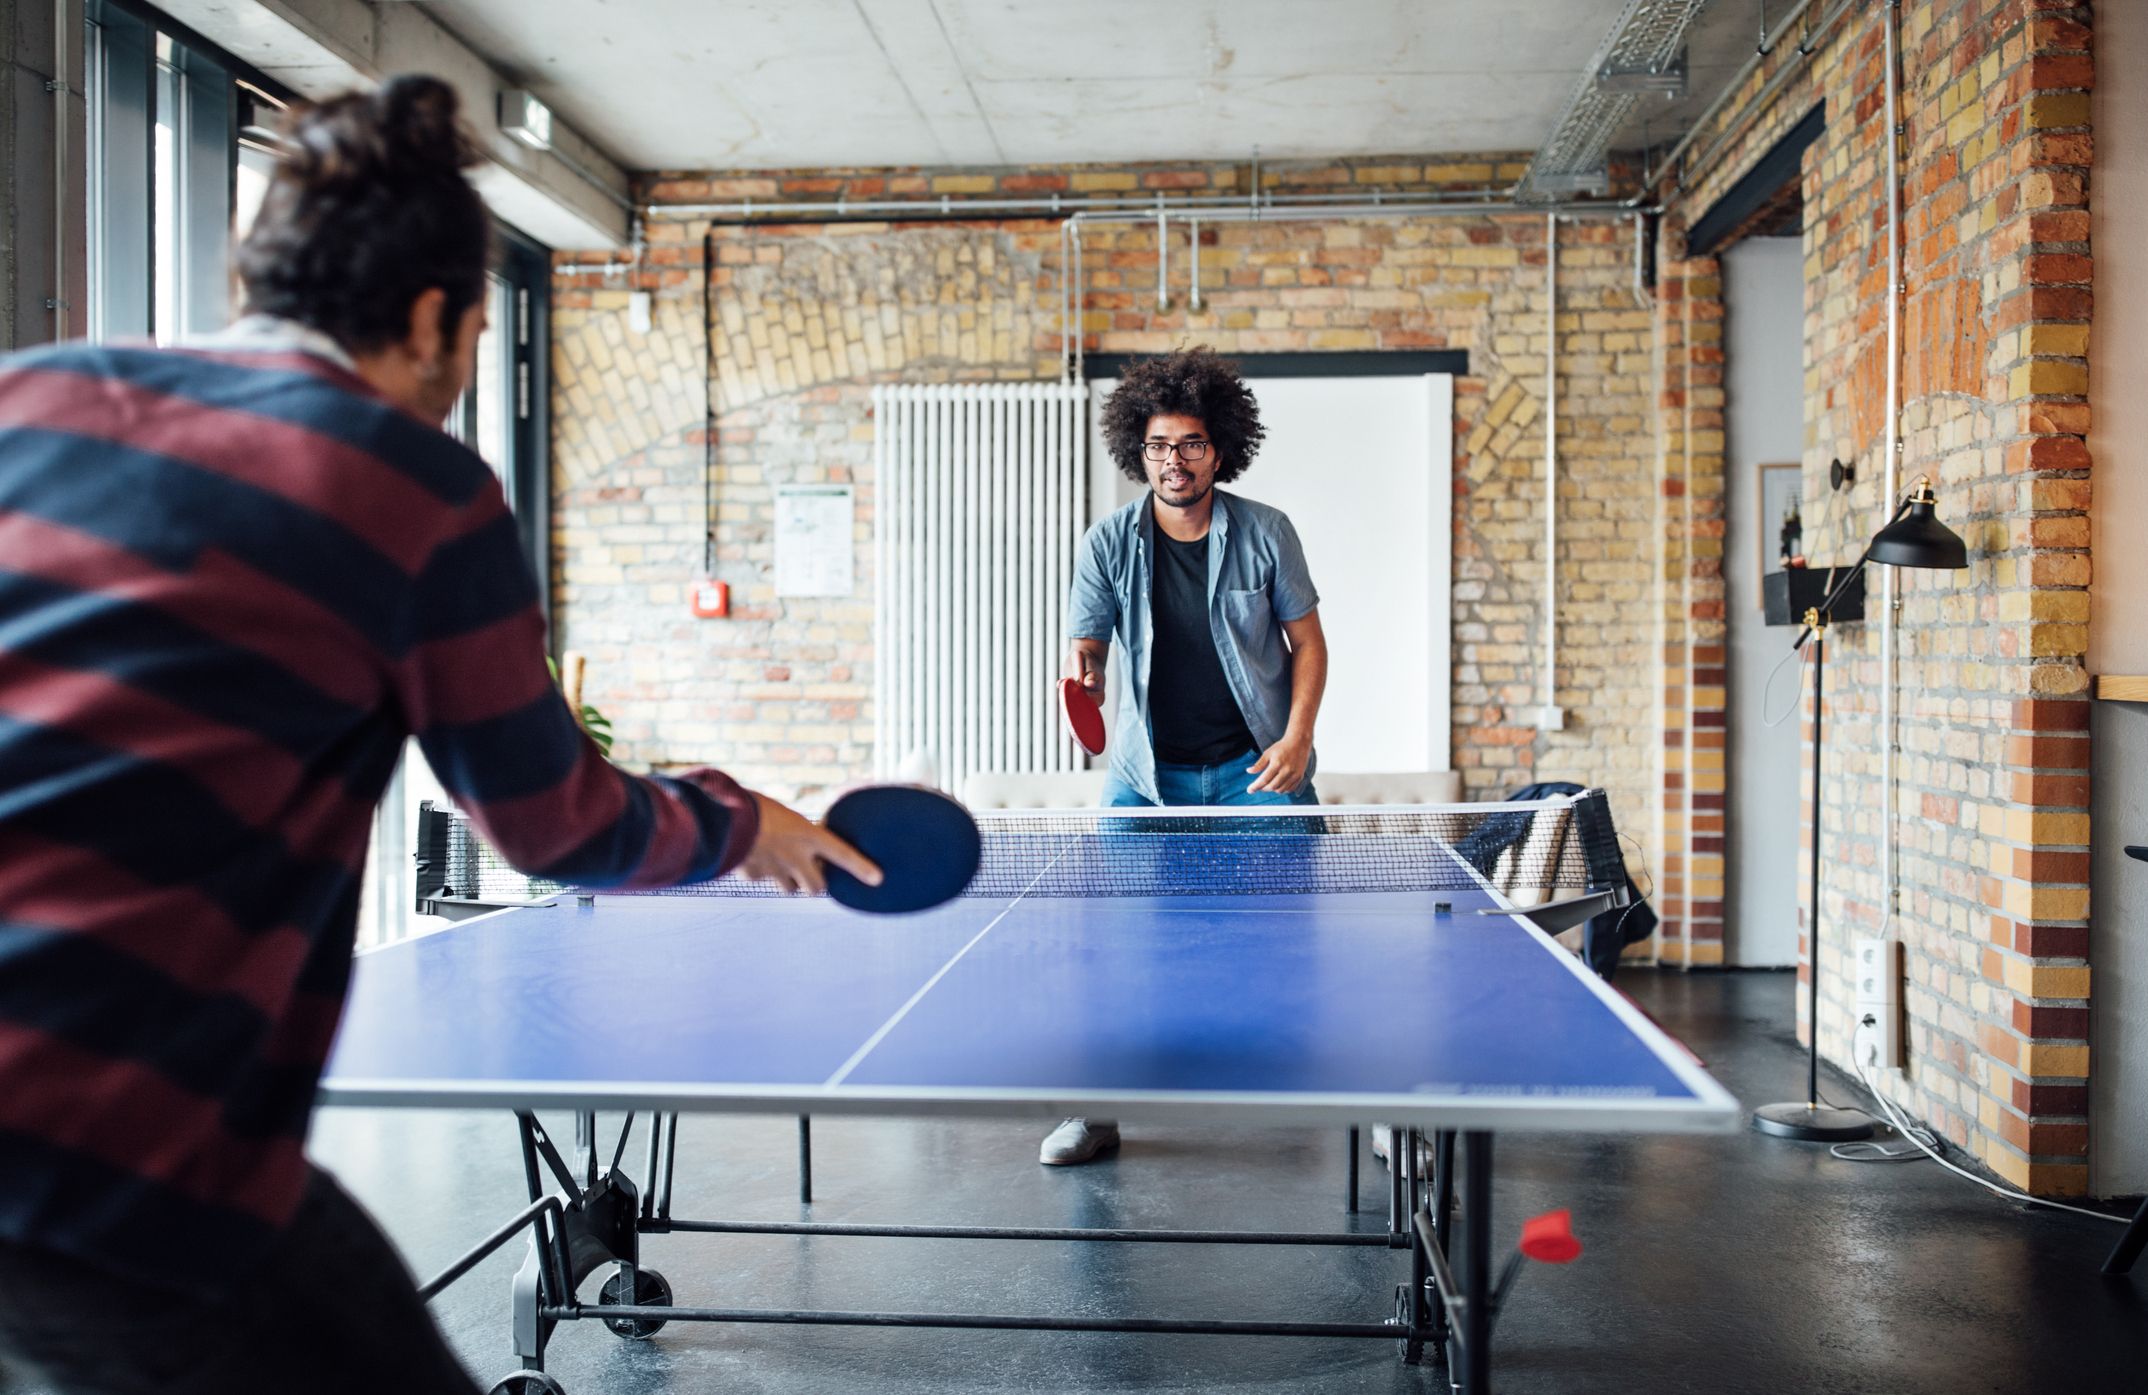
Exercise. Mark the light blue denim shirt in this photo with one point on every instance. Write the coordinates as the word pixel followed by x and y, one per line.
pixel 1257 582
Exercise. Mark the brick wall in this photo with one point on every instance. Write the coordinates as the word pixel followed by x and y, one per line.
pixel 810 317
pixel 1689 347
pixel 1992 793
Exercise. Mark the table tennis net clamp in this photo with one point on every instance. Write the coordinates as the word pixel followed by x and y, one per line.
pixel 1556 862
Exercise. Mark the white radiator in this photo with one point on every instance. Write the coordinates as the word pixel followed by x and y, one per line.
pixel 981 503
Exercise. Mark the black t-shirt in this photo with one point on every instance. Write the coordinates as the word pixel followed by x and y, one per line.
pixel 1193 719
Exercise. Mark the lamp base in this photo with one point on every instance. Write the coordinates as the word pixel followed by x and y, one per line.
pixel 1812 1123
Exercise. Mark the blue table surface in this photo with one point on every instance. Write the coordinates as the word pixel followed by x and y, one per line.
pixel 1337 994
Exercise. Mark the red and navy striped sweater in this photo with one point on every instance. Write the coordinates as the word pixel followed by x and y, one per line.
pixel 231 585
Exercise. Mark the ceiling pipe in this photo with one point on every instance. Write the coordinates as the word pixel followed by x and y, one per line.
pixel 1671 162
pixel 1050 205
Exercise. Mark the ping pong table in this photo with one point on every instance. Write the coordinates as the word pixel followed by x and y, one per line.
pixel 1257 968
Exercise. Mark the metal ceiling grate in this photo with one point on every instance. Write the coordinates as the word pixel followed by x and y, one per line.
pixel 1648 39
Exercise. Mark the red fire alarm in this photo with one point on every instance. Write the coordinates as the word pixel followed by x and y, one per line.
pixel 712 598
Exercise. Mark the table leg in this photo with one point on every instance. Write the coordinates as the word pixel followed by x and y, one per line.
pixel 1442 1216
pixel 1477 1263
pixel 2129 1245
pixel 1418 1311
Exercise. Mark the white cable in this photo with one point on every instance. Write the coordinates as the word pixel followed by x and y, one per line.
pixel 1918 1137
pixel 1768 687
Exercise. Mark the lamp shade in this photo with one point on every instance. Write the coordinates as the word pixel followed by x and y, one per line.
pixel 1918 538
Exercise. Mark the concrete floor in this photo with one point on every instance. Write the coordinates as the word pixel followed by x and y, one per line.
pixel 1718 1264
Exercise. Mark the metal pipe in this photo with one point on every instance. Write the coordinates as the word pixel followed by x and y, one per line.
pixel 1194 302
pixel 61 20
pixel 569 1312
pixel 1641 292
pixel 1345 1239
pixel 1767 94
pixel 1551 471
pixel 1730 89
pixel 1066 303
pixel 1238 213
pixel 1081 334
pixel 1059 205
pixel 1163 262
pixel 1890 593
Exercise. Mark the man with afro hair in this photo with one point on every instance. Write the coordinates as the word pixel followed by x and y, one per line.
pixel 1208 596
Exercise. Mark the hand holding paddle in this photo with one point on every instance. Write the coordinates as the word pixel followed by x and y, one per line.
pixel 1081 697
pixel 796 853
pixel 926 843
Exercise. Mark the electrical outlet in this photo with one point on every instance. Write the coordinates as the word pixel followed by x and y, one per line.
pixel 1876 964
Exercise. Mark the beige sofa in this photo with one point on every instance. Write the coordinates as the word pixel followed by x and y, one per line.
pixel 1081 789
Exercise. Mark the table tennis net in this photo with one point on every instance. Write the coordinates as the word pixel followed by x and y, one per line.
pixel 1529 852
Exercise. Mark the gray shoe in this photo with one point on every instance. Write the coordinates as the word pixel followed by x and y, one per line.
pixel 1382 1136
pixel 1077 1141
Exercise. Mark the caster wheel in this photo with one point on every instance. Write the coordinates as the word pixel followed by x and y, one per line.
pixel 650 1291
pixel 528 1383
pixel 1411 1348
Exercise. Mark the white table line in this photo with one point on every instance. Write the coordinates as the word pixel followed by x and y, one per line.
pixel 919 996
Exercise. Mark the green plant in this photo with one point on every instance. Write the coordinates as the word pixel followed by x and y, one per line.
pixel 594 722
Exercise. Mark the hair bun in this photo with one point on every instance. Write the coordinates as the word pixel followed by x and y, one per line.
pixel 409 131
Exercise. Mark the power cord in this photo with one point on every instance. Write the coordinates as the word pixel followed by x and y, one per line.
pixel 1767 689
pixel 1927 1145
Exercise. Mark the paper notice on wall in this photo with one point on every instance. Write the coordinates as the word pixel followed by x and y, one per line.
pixel 814 552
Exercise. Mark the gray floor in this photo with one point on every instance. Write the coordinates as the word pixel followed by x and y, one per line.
pixel 1714 1265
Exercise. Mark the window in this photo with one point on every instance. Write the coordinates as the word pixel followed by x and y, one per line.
pixel 167 151
pixel 500 417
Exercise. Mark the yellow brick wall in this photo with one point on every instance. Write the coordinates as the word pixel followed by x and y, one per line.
pixel 809 317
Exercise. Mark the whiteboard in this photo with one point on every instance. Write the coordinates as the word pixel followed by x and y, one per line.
pixel 1364 467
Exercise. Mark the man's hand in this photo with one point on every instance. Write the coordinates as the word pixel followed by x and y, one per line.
pixel 791 849
pixel 1282 766
pixel 1085 661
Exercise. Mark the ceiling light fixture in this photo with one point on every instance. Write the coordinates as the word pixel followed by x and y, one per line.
pixel 526 119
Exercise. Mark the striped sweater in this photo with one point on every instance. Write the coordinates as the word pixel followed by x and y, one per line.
pixel 231 584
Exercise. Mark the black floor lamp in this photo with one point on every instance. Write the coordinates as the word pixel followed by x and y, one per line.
pixel 1914 537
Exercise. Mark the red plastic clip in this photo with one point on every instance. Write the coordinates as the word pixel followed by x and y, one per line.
pixel 1550 1238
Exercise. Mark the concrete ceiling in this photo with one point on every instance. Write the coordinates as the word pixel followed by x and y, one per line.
pixel 739 84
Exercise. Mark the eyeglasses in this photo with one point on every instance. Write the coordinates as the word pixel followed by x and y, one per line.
pixel 1187 450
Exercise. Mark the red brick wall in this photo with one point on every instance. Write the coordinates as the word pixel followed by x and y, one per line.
pixel 1991 815
pixel 1689 345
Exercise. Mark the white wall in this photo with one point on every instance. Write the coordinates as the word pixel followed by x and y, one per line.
pixel 1764 300
pixel 2118 604
pixel 1364 467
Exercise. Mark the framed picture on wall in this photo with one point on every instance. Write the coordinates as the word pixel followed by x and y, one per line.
pixel 1781 511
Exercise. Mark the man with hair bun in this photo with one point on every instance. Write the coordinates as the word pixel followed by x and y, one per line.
pixel 1210 600
pixel 234 580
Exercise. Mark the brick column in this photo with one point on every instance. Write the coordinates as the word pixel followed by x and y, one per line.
pixel 1689 333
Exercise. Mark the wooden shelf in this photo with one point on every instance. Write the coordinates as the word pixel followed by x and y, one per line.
pixel 2112 687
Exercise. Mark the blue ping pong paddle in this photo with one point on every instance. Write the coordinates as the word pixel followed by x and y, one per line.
pixel 925 844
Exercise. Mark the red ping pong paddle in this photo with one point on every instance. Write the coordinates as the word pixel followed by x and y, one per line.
pixel 925 844
pixel 1085 720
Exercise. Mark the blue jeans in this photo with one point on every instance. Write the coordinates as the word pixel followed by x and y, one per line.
pixel 1220 784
